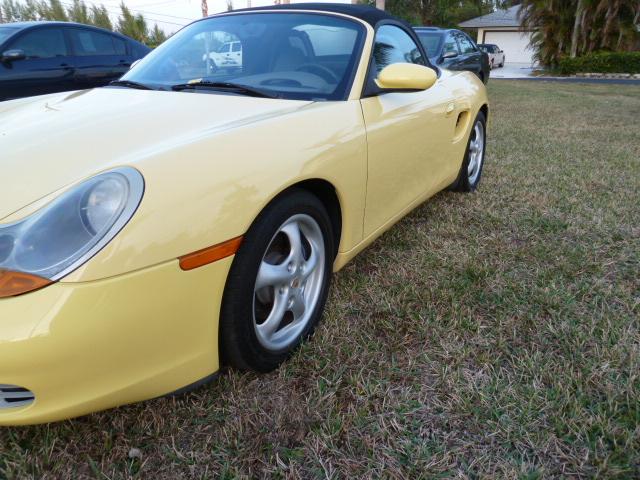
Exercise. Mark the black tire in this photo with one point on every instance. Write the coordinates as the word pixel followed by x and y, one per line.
pixel 464 183
pixel 240 346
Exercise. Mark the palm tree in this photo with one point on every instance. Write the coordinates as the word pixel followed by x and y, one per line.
pixel 551 21
pixel 578 27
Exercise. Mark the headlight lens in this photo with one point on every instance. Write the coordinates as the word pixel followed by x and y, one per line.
pixel 63 235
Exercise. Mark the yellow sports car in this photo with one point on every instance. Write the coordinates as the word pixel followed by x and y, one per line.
pixel 190 215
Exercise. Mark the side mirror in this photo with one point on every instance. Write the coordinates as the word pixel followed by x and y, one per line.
pixel 406 76
pixel 13 55
pixel 449 54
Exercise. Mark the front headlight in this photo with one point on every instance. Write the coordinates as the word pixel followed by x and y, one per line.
pixel 57 239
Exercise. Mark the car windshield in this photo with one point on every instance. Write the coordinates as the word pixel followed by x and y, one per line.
pixel 302 56
pixel 431 41
pixel 6 32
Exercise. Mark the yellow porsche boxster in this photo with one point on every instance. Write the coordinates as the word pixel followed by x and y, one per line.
pixel 191 214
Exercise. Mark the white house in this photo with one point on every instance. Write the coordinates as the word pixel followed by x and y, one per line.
pixel 502 28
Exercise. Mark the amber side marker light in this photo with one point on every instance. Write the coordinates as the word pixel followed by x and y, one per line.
pixel 210 254
pixel 17 283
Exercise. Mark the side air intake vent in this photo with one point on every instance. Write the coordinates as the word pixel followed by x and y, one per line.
pixel 12 396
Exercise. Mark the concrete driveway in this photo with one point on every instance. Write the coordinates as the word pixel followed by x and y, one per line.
pixel 512 70
pixel 523 71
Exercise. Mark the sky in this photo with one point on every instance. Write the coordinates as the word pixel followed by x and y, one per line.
pixel 171 15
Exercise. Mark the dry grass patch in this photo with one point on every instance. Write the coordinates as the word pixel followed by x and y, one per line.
pixel 487 335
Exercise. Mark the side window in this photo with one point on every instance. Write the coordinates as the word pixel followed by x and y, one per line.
pixel 450 45
pixel 465 44
pixel 119 45
pixel 137 50
pixel 86 43
pixel 42 43
pixel 236 47
pixel 394 45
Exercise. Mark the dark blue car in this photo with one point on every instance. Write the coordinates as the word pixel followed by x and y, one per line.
pixel 48 57
pixel 454 50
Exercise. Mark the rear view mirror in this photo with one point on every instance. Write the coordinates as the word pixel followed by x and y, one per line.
pixel 406 76
pixel 449 54
pixel 13 55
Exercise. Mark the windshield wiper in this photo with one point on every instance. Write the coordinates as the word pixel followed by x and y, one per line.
pixel 226 86
pixel 130 84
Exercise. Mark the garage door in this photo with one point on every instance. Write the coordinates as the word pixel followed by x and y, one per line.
pixel 515 45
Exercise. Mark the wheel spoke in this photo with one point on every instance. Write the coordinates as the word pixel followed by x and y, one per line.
pixel 292 230
pixel 273 321
pixel 311 264
pixel 299 307
pixel 272 275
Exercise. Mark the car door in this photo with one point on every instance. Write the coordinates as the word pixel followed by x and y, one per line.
pixel 451 57
pixel 407 135
pixel 469 54
pixel 45 67
pixel 494 56
pixel 225 54
pixel 236 53
pixel 99 57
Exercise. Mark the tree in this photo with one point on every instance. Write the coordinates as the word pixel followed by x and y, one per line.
pixel 134 26
pixel 10 11
pixel 78 12
pixel 156 37
pixel 100 17
pixel 578 27
pixel 53 10
pixel 443 13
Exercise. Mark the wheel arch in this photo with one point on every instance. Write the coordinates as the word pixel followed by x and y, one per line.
pixel 327 193
pixel 485 110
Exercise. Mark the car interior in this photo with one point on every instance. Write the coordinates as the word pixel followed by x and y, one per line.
pixel 296 57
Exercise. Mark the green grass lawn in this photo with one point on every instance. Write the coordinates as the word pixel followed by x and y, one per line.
pixel 486 335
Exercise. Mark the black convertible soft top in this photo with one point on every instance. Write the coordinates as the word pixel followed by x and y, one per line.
pixel 369 14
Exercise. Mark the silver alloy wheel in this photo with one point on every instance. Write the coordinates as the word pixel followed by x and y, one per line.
pixel 289 282
pixel 476 152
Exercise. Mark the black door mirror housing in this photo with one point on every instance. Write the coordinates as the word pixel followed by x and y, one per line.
pixel 449 54
pixel 13 55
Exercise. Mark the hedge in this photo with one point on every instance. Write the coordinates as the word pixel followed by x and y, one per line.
pixel 602 62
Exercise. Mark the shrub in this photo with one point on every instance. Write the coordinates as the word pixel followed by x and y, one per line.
pixel 602 62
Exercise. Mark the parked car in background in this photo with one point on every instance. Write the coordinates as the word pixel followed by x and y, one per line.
pixel 496 55
pixel 47 57
pixel 454 50
pixel 229 55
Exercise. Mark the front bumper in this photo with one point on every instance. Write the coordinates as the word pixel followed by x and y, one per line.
pixel 86 347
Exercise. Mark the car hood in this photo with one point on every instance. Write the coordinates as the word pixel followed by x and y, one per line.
pixel 52 141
